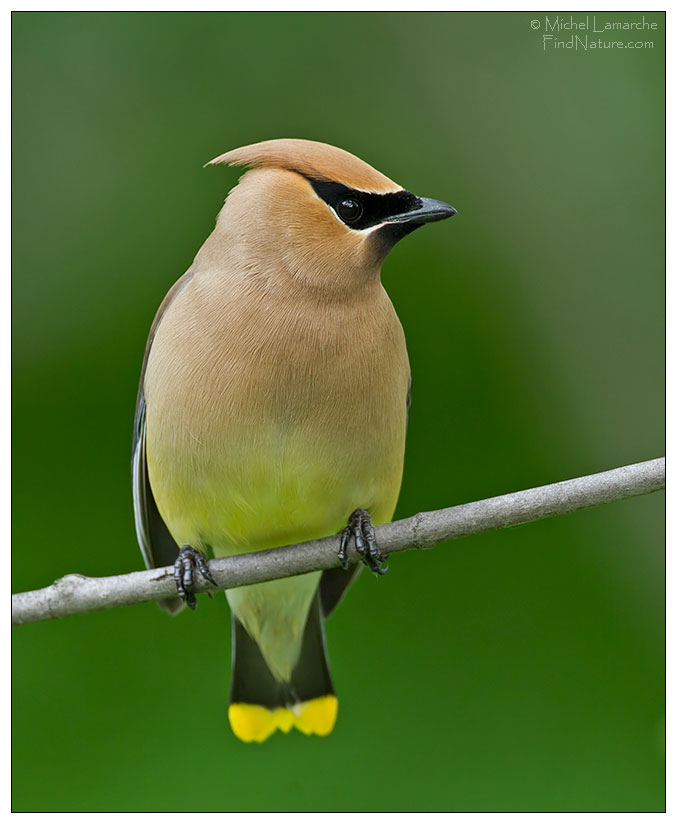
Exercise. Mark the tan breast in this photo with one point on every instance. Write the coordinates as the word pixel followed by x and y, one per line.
pixel 271 416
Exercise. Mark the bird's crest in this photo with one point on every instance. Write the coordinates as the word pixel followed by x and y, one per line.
pixel 309 158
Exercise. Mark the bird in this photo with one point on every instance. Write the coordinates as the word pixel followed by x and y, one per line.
pixel 272 409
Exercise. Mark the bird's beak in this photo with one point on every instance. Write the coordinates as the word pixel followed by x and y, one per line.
pixel 424 210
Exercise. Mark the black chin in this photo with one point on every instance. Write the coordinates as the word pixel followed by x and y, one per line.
pixel 388 235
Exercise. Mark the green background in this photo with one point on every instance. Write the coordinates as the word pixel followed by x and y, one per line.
pixel 516 670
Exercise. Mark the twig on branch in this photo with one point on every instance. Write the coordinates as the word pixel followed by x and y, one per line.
pixel 73 594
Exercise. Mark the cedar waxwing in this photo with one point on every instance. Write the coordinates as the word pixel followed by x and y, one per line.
pixel 273 406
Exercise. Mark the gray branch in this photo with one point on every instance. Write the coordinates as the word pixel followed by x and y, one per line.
pixel 73 594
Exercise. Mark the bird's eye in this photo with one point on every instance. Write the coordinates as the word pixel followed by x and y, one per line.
pixel 349 210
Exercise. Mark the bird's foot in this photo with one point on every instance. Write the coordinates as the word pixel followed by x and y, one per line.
pixel 184 573
pixel 361 528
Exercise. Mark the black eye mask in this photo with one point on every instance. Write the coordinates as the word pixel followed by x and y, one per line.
pixel 360 210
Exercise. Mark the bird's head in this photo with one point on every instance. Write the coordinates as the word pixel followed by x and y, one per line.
pixel 322 214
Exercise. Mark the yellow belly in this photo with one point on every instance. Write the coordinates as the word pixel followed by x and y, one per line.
pixel 243 493
pixel 250 493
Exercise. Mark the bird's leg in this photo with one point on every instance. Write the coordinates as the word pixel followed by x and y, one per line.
pixel 184 573
pixel 361 528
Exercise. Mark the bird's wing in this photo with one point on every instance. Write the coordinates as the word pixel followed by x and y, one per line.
pixel 157 545
pixel 408 400
pixel 335 582
pixel 333 586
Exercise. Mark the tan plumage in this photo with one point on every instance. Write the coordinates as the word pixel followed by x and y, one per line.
pixel 275 384
pixel 312 159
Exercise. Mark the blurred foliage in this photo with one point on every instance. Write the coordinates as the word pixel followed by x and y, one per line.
pixel 517 670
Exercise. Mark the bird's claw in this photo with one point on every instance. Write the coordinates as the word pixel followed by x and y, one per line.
pixel 184 574
pixel 361 528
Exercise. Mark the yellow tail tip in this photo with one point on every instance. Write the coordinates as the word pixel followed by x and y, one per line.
pixel 252 722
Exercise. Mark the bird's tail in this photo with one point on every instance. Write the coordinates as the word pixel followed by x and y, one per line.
pixel 259 704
